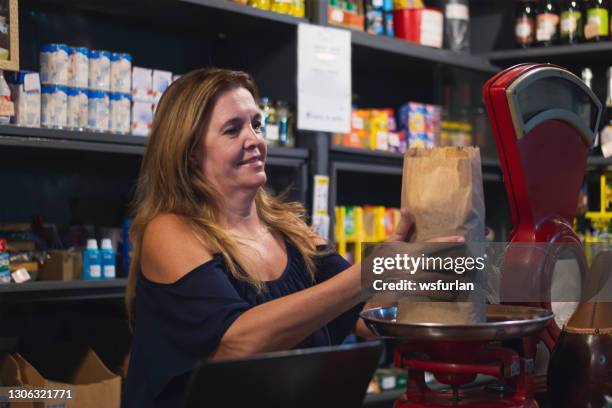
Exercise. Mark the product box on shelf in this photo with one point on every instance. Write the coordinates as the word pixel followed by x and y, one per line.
pixel 142 118
pixel 343 18
pixel 25 92
pixel 142 85
pixel 62 265
pixel 423 26
pixel 161 81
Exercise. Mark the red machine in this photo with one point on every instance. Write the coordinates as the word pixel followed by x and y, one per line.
pixel 544 119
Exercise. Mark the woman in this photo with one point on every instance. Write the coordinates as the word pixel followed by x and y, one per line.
pixel 220 268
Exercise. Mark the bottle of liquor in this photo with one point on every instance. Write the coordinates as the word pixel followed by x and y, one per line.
pixel 547 23
pixel 571 22
pixel 587 78
pixel 605 135
pixel 524 27
pixel 596 24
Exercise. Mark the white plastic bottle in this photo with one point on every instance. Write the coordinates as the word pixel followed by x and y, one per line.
pixel 92 268
pixel 108 259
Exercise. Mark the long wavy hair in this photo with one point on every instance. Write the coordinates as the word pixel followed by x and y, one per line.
pixel 170 182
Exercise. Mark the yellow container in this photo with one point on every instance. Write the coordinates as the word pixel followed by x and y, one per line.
pixel 260 4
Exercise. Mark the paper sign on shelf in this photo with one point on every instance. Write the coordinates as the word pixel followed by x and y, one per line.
pixel 324 79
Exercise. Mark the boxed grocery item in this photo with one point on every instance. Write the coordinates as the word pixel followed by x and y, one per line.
pixel 379 130
pixel 161 81
pixel 142 85
pixel 423 26
pixel 25 92
pixel 70 366
pixel 142 118
pixel 62 265
pixel 344 18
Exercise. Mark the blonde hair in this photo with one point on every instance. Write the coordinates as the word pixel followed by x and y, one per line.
pixel 170 182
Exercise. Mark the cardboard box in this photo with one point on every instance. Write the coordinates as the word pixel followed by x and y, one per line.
pixel 75 367
pixel 16 372
pixel 62 265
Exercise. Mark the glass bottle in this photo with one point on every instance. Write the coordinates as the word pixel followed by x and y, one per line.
pixel 571 22
pixel 605 135
pixel 596 22
pixel 524 27
pixel 547 23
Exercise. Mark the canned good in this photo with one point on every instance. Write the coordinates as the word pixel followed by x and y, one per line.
pixel 78 73
pixel 98 112
pixel 120 112
pixel 121 72
pixel 99 70
pixel 78 108
pixel 54 106
pixel 54 64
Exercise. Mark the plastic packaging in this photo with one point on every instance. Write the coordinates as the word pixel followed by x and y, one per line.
pixel 78 108
pixel 121 72
pixel 25 90
pixel 54 64
pixel 92 265
pixel 78 71
pixel 54 106
pixel 142 118
pixel 99 111
pixel 120 113
pixel 99 70
pixel 107 255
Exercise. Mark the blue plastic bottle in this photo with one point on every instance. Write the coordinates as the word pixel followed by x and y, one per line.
pixel 108 259
pixel 92 268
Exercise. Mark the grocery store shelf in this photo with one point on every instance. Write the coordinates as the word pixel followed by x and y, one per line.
pixel 366 168
pixel 236 8
pixel 44 291
pixel 112 143
pixel 422 53
pixel 579 53
pixel 71 140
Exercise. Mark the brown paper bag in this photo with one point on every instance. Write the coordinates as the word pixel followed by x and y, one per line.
pixel 442 188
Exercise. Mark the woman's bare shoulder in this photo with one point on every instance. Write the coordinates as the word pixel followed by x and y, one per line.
pixel 170 249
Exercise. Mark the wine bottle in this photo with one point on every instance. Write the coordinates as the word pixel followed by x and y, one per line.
pixel 596 25
pixel 547 23
pixel 570 31
pixel 605 135
pixel 524 27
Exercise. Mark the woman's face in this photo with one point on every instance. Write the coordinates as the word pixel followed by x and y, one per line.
pixel 233 150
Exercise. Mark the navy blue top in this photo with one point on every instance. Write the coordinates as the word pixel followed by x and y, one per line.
pixel 178 324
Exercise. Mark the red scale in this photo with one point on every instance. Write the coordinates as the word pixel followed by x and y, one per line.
pixel 543 119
